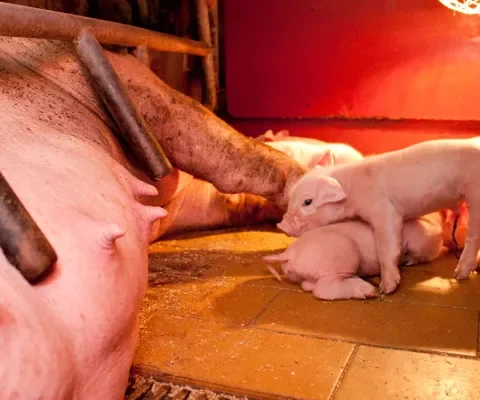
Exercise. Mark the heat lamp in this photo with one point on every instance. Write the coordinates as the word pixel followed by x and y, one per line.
pixel 470 7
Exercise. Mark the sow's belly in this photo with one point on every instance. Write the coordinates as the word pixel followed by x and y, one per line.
pixel 82 200
pixel 64 165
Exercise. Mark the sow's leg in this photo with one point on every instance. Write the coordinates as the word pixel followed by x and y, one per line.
pixel 199 205
pixel 198 142
pixel 236 173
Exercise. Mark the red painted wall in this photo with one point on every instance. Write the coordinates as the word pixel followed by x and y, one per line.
pixel 351 58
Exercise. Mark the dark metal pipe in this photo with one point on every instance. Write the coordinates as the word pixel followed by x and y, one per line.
pixel 22 241
pixel 208 61
pixel 131 124
pixel 21 21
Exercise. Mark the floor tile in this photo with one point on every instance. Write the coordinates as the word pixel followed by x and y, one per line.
pixel 224 301
pixel 377 374
pixel 437 286
pixel 396 324
pixel 446 262
pixel 270 281
pixel 214 285
pixel 245 359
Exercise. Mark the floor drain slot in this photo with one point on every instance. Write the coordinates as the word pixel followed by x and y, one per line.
pixel 140 388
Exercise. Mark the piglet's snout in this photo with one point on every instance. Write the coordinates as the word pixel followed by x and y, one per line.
pixel 290 226
pixel 285 227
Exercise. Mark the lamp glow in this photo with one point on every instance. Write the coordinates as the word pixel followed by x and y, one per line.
pixel 470 7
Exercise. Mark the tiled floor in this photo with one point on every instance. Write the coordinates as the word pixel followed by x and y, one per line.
pixel 214 317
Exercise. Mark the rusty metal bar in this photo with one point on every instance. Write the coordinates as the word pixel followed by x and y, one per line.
pixel 22 21
pixel 208 61
pixel 22 241
pixel 214 27
pixel 131 124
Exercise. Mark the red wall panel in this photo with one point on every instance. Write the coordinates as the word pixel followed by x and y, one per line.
pixel 349 58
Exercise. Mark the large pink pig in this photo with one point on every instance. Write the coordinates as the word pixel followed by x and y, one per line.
pixel 310 152
pixel 73 335
pixel 384 190
pixel 330 260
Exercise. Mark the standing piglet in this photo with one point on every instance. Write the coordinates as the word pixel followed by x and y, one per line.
pixel 386 189
pixel 329 261
pixel 310 152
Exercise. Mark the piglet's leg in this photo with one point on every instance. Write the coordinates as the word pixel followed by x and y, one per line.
pixel 387 228
pixel 349 288
pixel 308 286
pixel 468 259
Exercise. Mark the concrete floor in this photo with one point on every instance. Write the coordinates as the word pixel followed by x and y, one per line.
pixel 214 317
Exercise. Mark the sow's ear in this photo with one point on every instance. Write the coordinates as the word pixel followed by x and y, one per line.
pixel 324 160
pixel 328 191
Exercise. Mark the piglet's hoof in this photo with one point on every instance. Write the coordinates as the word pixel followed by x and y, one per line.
pixel 362 289
pixel 462 272
pixel 387 287
pixel 368 293
pixel 389 282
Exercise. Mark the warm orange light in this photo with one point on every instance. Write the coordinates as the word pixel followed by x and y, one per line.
pixel 470 7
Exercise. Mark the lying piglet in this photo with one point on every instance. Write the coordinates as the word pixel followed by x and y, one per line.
pixel 310 152
pixel 329 261
pixel 459 220
pixel 386 189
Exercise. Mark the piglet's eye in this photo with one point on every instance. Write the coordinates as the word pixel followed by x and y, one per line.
pixel 307 202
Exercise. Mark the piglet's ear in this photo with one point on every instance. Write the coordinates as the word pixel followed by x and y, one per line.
pixel 269 136
pixel 328 191
pixel 282 134
pixel 324 160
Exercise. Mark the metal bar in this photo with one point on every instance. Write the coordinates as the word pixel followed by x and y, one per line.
pixel 208 61
pixel 131 124
pixel 214 27
pixel 22 21
pixel 22 241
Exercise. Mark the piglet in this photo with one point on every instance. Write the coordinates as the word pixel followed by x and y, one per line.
pixel 269 136
pixel 310 152
pixel 328 261
pixel 386 189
